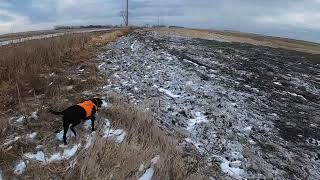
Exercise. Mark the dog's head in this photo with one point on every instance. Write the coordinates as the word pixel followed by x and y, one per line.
pixel 97 101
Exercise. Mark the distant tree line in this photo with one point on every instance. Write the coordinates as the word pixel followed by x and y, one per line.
pixel 84 27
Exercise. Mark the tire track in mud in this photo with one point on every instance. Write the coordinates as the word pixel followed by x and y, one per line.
pixel 255 109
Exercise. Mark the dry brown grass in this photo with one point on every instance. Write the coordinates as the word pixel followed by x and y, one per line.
pixel 275 42
pixel 25 86
pixel 110 37
pixel 25 67
pixel 144 140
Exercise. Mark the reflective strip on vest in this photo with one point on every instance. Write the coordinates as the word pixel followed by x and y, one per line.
pixel 88 107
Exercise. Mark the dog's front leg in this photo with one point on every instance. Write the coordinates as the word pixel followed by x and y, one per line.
pixel 93 118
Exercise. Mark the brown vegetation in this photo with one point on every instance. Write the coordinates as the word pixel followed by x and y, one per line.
pixel 144 140
pixel 254 39
pixel 35 75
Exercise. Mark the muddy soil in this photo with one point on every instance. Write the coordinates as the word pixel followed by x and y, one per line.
pixel 252 111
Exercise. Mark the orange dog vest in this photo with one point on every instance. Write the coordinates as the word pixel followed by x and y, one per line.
pixel 88 107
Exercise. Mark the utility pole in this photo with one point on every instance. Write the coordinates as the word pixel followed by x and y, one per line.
pixel 127 13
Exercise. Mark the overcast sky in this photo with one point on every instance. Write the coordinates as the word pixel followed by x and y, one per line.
pixel 298 19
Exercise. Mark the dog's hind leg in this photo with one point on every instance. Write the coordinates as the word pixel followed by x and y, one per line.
pixel 65 130
pixel 72 128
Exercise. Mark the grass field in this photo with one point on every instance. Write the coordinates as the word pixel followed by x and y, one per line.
pixel 254 39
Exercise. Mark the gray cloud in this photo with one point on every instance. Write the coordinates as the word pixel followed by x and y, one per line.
pixel 294 18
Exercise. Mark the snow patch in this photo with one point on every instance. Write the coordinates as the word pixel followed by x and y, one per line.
pixel 117 134
pixel 232 168
pixel 68 153
pixel 21 119
pixel 20 168
pixel 1 177
pixel 59 136
pixel 277 83
pixel 198 118
pixel 90 139
pixel 147 175
pixel 101 65
pixel 39 156
pixel 296 95
pixel 32 135
pixel 246 130
pixel 105 105
pixel 69 88
pixel 155 159
pixel 34 115
pixel 169 93
pixel 55 157
pixel 141 167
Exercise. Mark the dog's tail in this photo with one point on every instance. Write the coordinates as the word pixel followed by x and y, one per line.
pixel 55 112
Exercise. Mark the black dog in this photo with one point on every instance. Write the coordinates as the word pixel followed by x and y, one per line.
pixel 74 114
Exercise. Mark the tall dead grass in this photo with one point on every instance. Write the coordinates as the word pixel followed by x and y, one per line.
pixel 23 66
pixel 144 140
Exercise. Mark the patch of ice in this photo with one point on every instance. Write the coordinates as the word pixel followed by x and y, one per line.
pixel 235 172
pixel 169 93
pixel 55 157
pixel 198 118
pixel 21 119
pixel 20 168
pixel 59 135
pixel 68 153
pixel 39 156
pixel 32 135
pixel 155 159
pixel 147 175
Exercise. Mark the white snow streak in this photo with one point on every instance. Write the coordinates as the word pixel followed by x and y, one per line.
pixel 169 93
